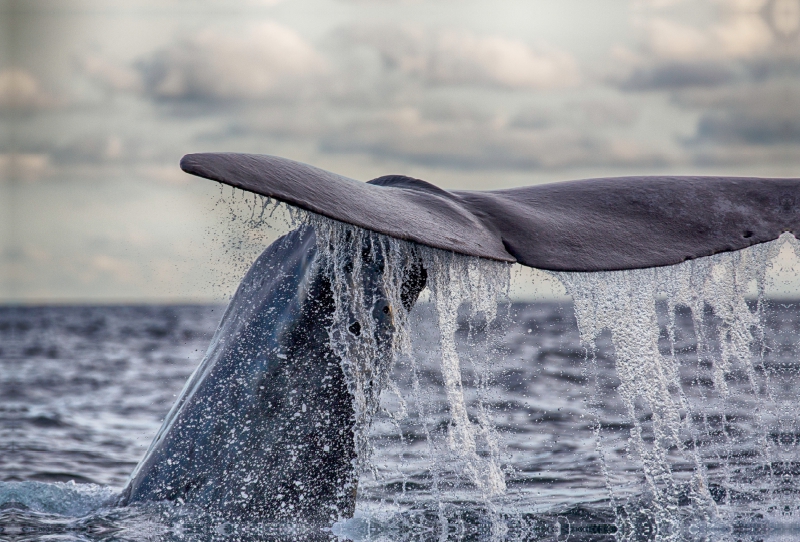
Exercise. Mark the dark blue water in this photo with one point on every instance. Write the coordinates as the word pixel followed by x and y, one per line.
pixel 84 389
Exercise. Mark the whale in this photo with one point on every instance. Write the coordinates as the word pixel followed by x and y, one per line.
pixel 265 427
pixel 604 224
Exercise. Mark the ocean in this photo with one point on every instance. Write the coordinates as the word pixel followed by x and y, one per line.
pixel 85 388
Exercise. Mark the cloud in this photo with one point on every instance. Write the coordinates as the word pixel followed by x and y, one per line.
pixel 244 3
pixel 407 135
pixel 784 16
pixel 455 57
pixel 114 76
pixel 700 73
pixel 738 36
pixel 384 2
pixel 758 115
pixel 735 76
pixel 19 90
pixel 746 6
pixel 667 39
pixel 122 271
pixel 607 113
pixel 742 36
pixel 743 46
pixel 97 148
pixel 281 89
pixel 779 127
pixel 195 6
pixel 677 75
pixel 24 166
pixel 674 55
pixel 218 67
pixel 531 119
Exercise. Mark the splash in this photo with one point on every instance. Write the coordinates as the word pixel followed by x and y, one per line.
pixel 367 271
pixel 677 423
pixel 455 280
pixel 243 224
pixel 350 256
pixel 66 499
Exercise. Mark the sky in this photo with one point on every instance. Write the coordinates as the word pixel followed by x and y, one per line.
pixel 100 99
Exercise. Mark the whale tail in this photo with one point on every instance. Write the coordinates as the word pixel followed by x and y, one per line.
pixel 590 225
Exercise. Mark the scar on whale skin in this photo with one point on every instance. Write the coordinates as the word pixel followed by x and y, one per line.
pixel 263 429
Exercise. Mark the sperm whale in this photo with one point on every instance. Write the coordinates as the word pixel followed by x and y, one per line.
pixel 264 428
pixel 605 224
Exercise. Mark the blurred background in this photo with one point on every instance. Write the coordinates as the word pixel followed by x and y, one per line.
pixel 100 99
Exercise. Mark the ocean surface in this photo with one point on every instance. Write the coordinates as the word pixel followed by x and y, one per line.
pixel 83 390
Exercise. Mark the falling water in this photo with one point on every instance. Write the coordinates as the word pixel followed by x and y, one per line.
pixel 685 444
pixel 367 353
pixel 694 457
pixel 453 281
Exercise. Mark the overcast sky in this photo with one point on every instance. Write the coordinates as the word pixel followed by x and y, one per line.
pixel 100 99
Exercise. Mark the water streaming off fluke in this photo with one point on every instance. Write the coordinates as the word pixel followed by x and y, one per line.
pixel 481 284
pixel 708 439
pixel 368 352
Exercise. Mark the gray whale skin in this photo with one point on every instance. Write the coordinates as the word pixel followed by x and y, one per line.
pixel 264 427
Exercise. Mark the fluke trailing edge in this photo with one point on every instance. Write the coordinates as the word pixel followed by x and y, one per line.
pixel 591 225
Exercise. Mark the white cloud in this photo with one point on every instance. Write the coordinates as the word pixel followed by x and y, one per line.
pixel 216 66
pixel 112 75
pixel 254 3
pixel 24 166
pixel 656 4
pixel 735 75
pixel 670 39
pixel 457 57
pixel 739 36
pixel 727 5
pixel 607 113
pixel 20 90
pixel 739 48
pixel 785 17
pixel 122 271
pixel 742 36
pixel 745 6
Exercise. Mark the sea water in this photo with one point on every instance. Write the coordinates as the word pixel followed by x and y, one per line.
pixel 660 405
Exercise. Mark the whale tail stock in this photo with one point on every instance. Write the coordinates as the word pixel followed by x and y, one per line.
pixel 602 224
pixel 265 428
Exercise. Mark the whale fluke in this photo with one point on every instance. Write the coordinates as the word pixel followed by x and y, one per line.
pixel 601 224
